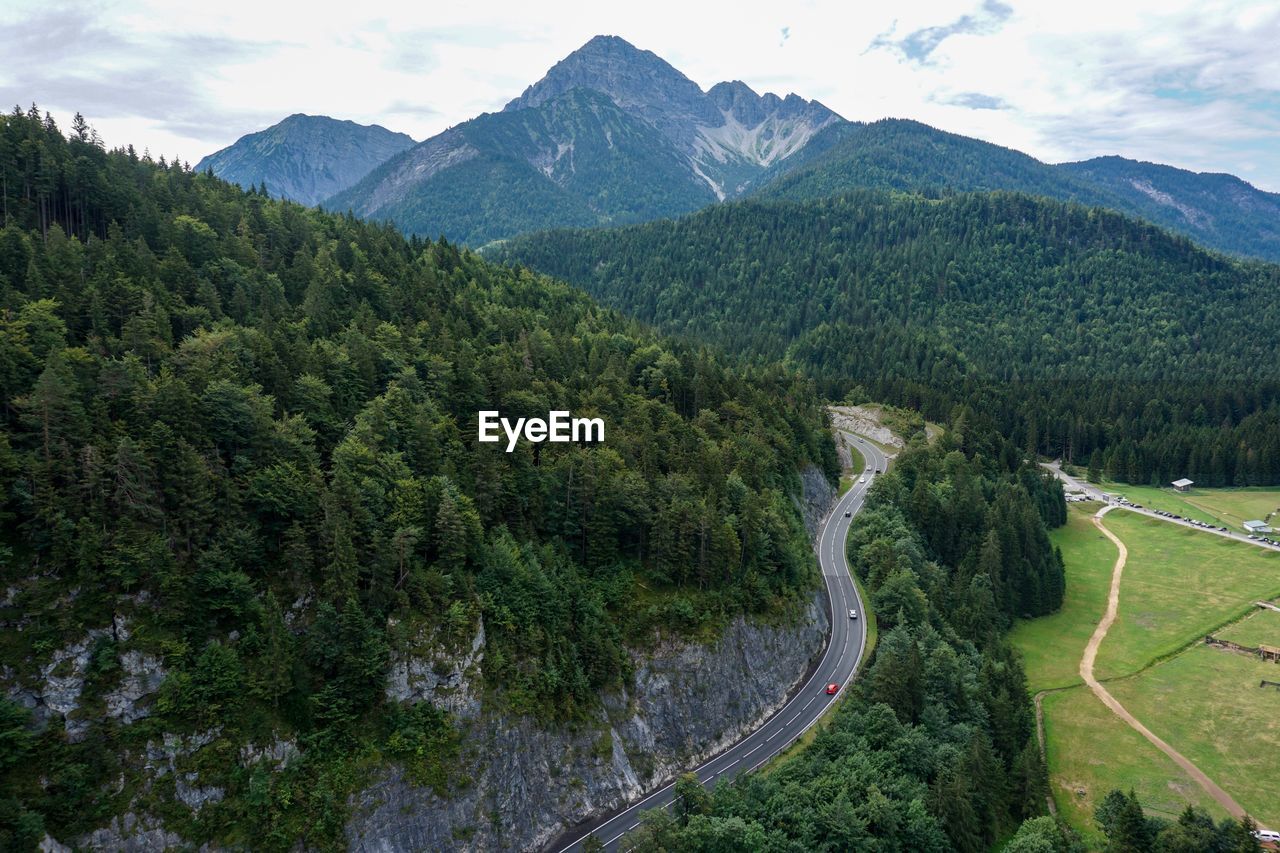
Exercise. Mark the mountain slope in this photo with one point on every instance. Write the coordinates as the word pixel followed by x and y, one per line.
pixel 906 155
pixel 241 481
pixel 1220 211
pixel 617 135
pixel 305 158
pixel 1065 322
pixel 576 159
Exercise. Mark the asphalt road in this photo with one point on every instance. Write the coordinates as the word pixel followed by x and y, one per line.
pixel 838 664
pixel 1096 494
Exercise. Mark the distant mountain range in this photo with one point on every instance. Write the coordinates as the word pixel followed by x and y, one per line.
pixel 614 135
pixel 306 158
pixel 1219 211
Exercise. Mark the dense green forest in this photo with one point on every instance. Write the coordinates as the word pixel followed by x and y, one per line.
pixel 238 435
pixel 1080 331
pixel 935 747
pixel 1220 211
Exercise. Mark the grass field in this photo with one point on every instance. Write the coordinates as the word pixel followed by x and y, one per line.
pixel 855 471
pixel 1262 627
pixel 1179 584
pixel 1052 645
pixel 1091 751
pixel 1224 507
pixel 1208 705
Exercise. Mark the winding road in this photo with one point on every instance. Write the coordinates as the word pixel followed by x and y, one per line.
pixel 806 706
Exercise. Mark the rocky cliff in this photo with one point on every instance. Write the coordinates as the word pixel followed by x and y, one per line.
pixel 527 783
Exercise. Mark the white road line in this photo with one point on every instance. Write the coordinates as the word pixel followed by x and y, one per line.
pixel 855 496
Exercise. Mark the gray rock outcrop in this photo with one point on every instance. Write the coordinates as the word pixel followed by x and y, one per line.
pixel 528 782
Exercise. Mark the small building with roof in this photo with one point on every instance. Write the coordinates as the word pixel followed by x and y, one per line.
pixel 1183 485
pixel 1256 527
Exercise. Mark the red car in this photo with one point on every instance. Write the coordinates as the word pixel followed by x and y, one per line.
pixel 832 688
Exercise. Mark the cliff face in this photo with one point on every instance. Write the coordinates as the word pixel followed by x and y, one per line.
pixel 527 783
pixel 521 783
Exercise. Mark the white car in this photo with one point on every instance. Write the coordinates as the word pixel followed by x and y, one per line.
pixel 853 614
pixel 863 480
pixel 1267 835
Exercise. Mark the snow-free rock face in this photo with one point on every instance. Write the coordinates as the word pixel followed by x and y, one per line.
pixel 60 683
pixel 611 134
pixel 306 158
pixel 527 783
pixel 433 675
pixel 141 676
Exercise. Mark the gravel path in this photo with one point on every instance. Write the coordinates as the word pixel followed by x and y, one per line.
pixel 1086 672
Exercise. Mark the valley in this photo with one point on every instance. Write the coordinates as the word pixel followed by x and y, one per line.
pixel 636 457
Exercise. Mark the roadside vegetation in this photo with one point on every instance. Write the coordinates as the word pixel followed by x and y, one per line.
pixel 245 431
pixel 934 746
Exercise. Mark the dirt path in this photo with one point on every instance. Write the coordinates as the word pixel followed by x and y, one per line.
pixel 1044 755
pixel 1086 672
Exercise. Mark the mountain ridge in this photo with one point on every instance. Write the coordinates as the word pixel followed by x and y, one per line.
pixel 698 147
pixel 305 158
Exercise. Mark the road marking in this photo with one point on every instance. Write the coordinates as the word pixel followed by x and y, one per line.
pixel 855 496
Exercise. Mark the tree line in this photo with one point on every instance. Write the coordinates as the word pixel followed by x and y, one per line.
pixel 1077 329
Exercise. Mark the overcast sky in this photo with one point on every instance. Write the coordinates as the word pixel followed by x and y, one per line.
pixel 1194 84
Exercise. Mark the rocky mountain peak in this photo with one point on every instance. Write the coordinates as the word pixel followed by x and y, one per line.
pixel 638 81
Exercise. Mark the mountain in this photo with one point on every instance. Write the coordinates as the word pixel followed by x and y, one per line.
pixel 573 160
pixel 306 158
pixel 1064 322
pixel 250 531
pixel 611 135
pixel 1219 211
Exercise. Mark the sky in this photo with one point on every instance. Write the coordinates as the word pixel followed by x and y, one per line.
pixel 1192 84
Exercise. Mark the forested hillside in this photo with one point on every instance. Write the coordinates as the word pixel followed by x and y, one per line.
pixel 238 464
pixel 1080 330
pixel 935 748
pixel 1219 211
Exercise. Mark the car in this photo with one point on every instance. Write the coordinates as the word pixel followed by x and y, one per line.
pixel 863 480
pixel 1251 536
pixel 832 688
pixel 878 471
pixel 848 514
pixel 1267 835
pixel 853 614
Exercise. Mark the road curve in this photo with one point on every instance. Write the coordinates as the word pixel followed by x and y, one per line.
pixel 802 711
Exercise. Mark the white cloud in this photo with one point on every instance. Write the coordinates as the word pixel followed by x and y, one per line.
pixel 1195 84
